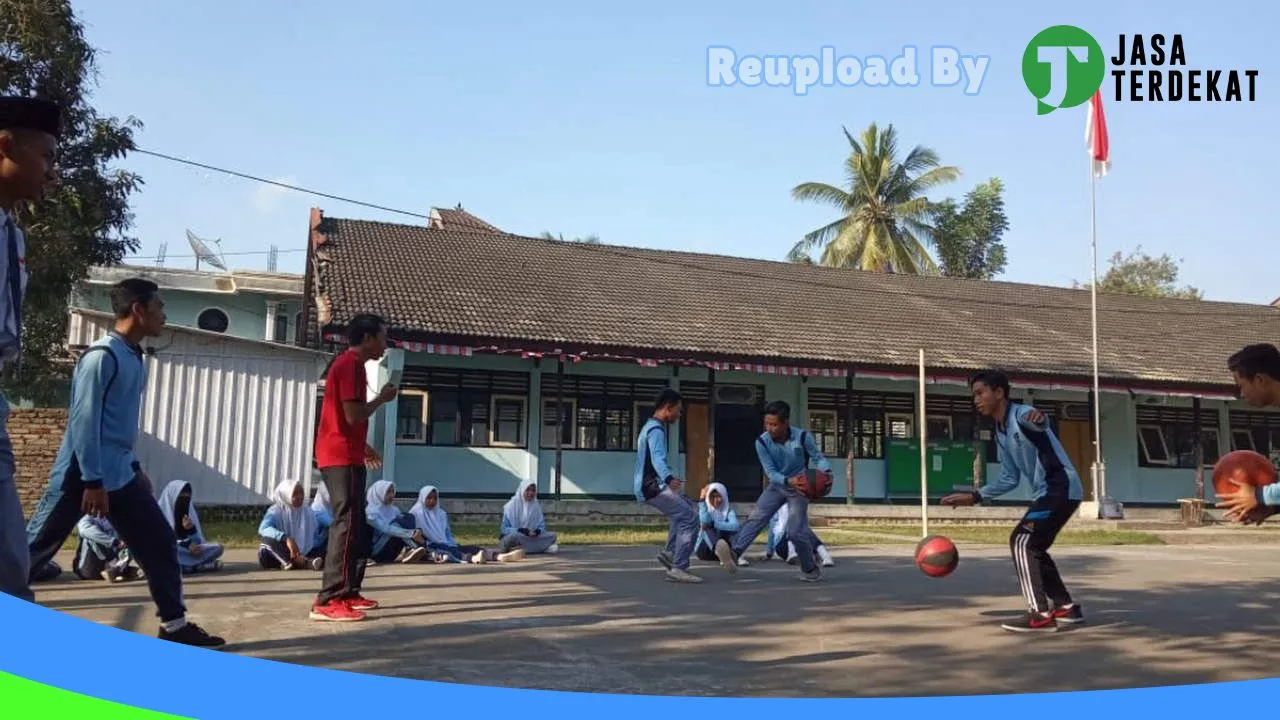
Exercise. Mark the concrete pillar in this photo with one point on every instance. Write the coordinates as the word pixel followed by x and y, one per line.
pixel 273 308
pixel 392 362
pixel 534 436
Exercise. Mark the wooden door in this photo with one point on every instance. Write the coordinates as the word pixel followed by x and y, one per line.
pixel 696 447
pixel 1077 440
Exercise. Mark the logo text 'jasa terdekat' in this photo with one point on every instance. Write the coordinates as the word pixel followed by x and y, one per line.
pixel 1153 68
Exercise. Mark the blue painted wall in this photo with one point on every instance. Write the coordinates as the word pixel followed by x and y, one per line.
pixel 246 312
pixel 498 471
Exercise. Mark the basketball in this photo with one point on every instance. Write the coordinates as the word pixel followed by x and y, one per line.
pixel 936 556
pixel 1245 467
pixel 817 484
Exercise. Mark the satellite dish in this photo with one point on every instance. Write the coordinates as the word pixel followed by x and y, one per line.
pixel 204 252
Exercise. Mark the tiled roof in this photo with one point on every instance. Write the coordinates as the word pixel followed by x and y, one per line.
pixel 443 285
pixel 459 219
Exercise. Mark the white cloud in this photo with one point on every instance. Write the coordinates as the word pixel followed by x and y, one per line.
pixel 267 197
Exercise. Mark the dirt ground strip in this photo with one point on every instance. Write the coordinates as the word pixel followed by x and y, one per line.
pixel 602 619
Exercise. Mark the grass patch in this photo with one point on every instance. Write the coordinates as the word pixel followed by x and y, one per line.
pixel 245 535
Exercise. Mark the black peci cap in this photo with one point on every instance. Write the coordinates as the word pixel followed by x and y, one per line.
pixel 20 113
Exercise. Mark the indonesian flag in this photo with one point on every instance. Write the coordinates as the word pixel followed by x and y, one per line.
pixel 1095 136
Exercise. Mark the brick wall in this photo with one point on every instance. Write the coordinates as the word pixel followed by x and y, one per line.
pixel 36 435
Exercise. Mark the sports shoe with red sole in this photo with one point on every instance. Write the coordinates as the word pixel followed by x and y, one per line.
pixel 1071 614
pixel 335 611
pixel 360 603
pixel 1032 623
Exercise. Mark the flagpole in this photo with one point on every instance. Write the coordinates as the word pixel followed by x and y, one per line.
pixel 1099 467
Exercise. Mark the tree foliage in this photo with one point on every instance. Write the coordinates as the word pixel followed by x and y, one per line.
pixel 592 239
pixel 968 238
pixel 1141 274
pixel 83 220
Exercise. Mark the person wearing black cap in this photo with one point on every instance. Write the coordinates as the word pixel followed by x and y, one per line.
pixel 29 131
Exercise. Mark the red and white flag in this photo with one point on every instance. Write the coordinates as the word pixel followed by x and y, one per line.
pixel 1095 136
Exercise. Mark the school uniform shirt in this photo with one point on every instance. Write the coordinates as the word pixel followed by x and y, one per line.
pixel 338 442
pixel 1029 450
pixel 13 287
pixel 784 460
pixel 652 471
pixel 102 426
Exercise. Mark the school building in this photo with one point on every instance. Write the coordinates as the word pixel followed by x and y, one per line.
pixel 528 358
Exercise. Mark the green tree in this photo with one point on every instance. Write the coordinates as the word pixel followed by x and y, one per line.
pixel 884 211
pixel 592 239
pixel 1141 274
pixel 968 239
pixel 83 220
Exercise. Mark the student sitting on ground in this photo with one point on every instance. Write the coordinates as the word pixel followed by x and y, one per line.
pixel 779 544
pixel 395 540
pixel 195 553
pixel 290 535
pixel 717 521
pixel 100 553
pixel 523 525
pixel 323 511
pixel 433 521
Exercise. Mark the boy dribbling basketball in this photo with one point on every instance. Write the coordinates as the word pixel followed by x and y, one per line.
pixel 1029 449
pixel 1256 372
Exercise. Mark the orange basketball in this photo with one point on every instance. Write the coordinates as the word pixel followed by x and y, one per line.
pixel 936 556
pixel 1245 467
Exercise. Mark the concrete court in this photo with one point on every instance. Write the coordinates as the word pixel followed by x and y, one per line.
pixel 602 619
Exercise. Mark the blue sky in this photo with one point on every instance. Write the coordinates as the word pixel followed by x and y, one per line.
pixel 581 118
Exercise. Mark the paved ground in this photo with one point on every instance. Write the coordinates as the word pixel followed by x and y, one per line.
pixel 602 619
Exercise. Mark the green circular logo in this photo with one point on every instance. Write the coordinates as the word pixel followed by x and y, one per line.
pixel 1063 66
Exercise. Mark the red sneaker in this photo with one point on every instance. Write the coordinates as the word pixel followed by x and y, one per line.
pixel 335 611
pixel 360 603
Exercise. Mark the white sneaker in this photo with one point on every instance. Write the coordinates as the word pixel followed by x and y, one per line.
pixel 742 562
pixel 791 553
pixel 824 556
pixel 513 556
pixel 682 576
pixel 478 558
pixel 555 548
pixel 413 555
pixel 725 554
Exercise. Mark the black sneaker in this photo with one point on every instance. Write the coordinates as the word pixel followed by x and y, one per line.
pixel 1032 622
pixel 1069 614
pixel 193 635
pixel 812 576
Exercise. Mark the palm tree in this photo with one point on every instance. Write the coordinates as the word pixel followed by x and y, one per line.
pixel 886 214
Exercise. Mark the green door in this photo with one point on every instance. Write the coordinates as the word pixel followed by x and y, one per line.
pixel 950 464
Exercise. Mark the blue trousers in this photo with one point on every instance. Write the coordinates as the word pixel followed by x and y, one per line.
pixel 772 500
pixel 15 562
pixel 683 523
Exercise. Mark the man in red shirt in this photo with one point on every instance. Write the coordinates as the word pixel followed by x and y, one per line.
pixel 342 455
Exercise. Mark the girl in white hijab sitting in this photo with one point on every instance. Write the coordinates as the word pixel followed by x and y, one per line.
pixel 289 534
pixel 395 540
pixel 523 525
pixel 433 522
pixel 718 523
pixel 195 552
